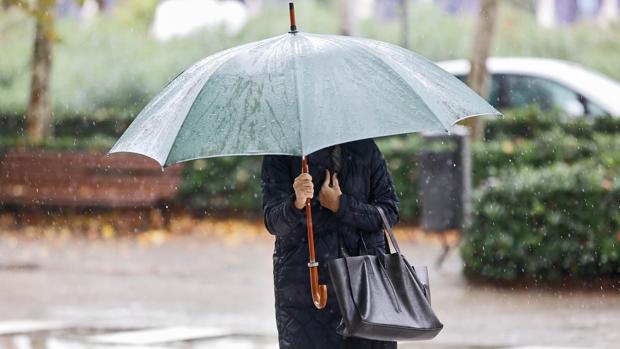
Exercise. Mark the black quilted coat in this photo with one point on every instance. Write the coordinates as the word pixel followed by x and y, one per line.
pixel 365 181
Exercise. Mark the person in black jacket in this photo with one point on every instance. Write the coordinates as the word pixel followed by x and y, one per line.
pixel 345 182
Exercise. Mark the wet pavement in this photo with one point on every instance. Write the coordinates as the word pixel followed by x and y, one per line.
pixel 207 289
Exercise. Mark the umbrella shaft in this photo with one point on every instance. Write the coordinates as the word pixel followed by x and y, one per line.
pixel 304 169
pixel 291 10
pixel 319 292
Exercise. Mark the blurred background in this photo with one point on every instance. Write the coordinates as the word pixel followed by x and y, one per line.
pixel 518 218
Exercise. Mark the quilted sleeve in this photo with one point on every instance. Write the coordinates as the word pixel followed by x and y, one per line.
pixel 279 211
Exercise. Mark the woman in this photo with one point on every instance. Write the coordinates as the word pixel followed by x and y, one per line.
pixel 342 213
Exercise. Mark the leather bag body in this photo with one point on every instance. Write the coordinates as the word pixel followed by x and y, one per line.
pixel 383 297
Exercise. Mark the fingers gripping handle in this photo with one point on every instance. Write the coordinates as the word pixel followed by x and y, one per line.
pixel 319 292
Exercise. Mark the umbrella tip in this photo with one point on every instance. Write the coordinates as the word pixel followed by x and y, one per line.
pixel 291 11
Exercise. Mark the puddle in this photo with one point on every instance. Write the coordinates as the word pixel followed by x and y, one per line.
pixel 123 338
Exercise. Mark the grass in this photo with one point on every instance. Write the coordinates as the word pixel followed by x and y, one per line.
pixel 110 67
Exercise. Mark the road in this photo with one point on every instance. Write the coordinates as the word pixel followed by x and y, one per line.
pixel 216 275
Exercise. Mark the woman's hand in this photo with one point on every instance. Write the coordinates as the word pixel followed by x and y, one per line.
pixel 303 189
pixel 330 196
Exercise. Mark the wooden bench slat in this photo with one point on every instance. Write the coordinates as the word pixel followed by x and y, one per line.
pixel 85 179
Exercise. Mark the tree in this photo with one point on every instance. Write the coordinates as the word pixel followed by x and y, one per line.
pixel 39 115
pixel 345 17
pixel 39 123
pixel 404 24
pixel 478 74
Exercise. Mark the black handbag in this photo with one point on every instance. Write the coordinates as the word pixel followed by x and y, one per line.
pixel 383 297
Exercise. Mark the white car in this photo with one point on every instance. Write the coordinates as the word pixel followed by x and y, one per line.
pixel 550 83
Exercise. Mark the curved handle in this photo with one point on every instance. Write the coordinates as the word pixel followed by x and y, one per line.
pixel 319 292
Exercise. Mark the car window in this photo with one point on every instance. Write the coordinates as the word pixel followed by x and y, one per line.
pixel 494 97
pixel 526 90
pixel 594 110
pixel 494 89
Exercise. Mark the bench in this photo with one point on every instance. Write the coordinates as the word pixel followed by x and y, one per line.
pixel 87 180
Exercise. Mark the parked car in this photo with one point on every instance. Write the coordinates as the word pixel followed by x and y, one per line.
pixel 550 83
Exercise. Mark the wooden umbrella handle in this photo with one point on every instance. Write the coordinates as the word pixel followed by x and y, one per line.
pixel 319 292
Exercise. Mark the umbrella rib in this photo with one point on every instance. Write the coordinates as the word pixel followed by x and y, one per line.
pixel 125 145
pixel 298 96
pixel 392 69
pixel 389 66
pixel 233 53
pixel 178 130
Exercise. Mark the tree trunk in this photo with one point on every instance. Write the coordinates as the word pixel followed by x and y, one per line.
pixel 345 17
pixel 404 24
pixel 39 116
pixel 478 75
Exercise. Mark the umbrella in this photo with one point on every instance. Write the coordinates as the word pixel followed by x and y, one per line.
pixel 294 94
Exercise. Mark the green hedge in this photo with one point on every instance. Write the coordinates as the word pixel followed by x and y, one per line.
pixel 547 204
pixel 94 143
pixel 531 122
pixel 400 154
pixel 233 183
pixel 68 126
pixel 546 225
pixel 227 184
pixel 492 158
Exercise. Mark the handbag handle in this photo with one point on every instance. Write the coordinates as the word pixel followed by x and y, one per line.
pixel 387 229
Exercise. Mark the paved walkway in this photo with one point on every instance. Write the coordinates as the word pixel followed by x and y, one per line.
pixel 215 288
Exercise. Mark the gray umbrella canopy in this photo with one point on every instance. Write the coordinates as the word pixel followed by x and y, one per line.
pixel 294 94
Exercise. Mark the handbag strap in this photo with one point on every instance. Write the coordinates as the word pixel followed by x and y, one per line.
pixel 336 158
pixel 387 229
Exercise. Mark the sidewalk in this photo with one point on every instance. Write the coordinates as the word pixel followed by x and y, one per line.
pixel 219 285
